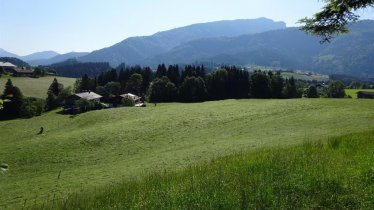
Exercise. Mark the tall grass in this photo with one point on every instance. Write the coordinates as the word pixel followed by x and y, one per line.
pixel 98 148
pixel 334 174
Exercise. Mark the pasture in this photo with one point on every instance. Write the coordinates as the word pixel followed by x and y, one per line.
pixel 94 150
pixel 353 92
pixel 35 87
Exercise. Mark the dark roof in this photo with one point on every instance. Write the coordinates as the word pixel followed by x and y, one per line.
pixel 23 70
pixel 366 93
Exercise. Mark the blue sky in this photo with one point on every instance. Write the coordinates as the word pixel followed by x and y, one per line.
pixel 29 26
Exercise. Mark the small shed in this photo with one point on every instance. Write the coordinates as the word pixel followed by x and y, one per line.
pixel 365 94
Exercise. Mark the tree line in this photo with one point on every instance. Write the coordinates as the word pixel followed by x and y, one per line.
pixel 166 84
pixel 189 84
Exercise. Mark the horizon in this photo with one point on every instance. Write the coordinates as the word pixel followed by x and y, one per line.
pixel 83 26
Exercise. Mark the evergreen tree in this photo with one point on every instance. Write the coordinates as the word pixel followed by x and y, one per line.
pixel 277 83
pixel 1 71
pixel 260 85
pixel 52 101
pixel 161 71
pixel 147 75
pixel 312 92
pixel 55 87
pixel 174 74
pixel 217 84
pixel 13 100
pixel 290 89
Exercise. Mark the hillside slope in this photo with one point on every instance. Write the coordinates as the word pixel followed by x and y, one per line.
pixel 334 173
pixel 58 58
pixel 290 48
pixel 135 49
pixel 105 147
pixel 36 87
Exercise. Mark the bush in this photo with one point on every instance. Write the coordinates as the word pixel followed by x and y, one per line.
pixel 85 105
pixel 312 92
pixel 32 107
pixel 127 101
pixel 336 90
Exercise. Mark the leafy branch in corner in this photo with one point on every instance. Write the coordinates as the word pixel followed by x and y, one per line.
pixel 334 18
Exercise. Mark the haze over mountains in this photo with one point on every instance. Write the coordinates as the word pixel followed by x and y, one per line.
pixel 135 49
pixel 241 42
pixel 43 58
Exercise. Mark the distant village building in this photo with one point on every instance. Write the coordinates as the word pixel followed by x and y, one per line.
pixel 70 102
pixel 8 67
pixel 90 96
pixel 16 71
pixel 365 94
pixel 23 71
pixel 132 96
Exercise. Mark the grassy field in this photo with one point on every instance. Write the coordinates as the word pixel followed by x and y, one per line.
pixel 296 74
pixel 336 173
pixel 100 148
pixel 35 87
pixel 353 92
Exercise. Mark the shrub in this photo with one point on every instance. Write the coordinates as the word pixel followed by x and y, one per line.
pixel 32 107
pixel 335 90
pixel 312 92
pixel 127 101
pixel 85 105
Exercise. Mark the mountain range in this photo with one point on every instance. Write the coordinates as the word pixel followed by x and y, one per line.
pixel 136 49
pixel 262 42
pixel 44 57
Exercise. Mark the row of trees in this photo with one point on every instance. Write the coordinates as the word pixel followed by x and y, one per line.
pixel 189 84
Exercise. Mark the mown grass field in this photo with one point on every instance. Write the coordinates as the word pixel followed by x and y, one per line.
pixel 353 92
pixel 90 151
pixel 35 87
pixel 337 173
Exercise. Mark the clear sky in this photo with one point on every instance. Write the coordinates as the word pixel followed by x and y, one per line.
pixel 28 26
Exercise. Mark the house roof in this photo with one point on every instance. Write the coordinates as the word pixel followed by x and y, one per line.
pixel 23 70
pixel 7 64
pixel 130 95
pixel 88 95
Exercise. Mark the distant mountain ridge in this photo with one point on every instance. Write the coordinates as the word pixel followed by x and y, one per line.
pixel 58 58
pixel 261 42
pixel 39 55
pixel 44 57
pixel 135 49
pixel 351 54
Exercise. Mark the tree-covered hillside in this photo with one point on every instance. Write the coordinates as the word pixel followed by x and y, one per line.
pixel 135 49
pixel 15 61
pixel 289 48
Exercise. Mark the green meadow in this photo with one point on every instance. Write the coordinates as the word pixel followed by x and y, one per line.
pixel 353 92
pixel 94 152
pixel 35 87
pixel 332 174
